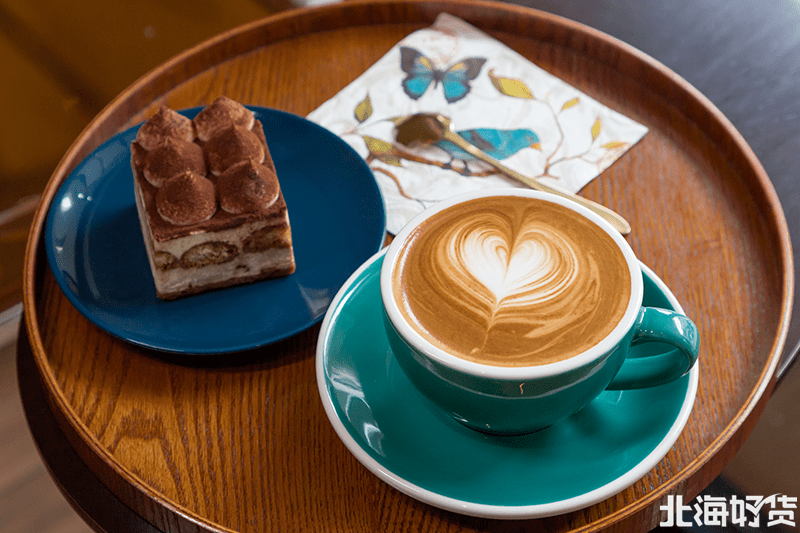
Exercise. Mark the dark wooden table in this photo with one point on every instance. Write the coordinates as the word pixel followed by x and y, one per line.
pixel 739 54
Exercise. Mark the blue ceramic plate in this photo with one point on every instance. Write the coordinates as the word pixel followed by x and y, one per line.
pixel 96 251
pixel 404 440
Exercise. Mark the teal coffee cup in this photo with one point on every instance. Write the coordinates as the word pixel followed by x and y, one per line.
pixel 510 309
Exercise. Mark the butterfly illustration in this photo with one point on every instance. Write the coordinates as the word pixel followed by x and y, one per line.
pixel 421 72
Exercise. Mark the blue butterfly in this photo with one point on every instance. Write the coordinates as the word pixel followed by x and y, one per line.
pixel 421 72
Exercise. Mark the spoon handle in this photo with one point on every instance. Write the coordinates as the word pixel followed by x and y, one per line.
pixel 612 217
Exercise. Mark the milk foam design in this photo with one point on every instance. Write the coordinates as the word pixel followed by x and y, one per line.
pixel 535 268
pixel 513 282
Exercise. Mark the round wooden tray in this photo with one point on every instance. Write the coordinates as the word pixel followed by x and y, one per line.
pixel 241 442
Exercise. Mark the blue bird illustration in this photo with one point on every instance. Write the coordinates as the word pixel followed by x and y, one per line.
pixel 499 144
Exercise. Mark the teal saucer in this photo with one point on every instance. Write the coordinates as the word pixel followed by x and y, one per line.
pixel 411 445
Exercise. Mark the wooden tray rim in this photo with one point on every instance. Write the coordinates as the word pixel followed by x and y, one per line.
pixel 159 81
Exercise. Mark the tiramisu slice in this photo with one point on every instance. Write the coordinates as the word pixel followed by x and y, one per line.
pixel 209 201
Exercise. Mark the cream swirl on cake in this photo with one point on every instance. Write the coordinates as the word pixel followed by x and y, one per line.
pixel 507 281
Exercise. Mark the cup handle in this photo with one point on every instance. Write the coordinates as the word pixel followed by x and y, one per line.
pixel 659 325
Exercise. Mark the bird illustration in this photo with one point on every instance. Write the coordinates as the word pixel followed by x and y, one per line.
pixel 499 144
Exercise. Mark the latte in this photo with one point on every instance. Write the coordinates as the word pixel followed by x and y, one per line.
pixel 511 281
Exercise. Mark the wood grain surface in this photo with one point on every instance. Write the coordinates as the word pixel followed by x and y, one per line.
pixel 240 442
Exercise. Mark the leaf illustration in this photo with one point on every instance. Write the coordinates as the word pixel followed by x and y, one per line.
pixel 363 110
pixel 511 86
pixel 571 103
pixel 598 125
pixel 614 145
pixel 382 150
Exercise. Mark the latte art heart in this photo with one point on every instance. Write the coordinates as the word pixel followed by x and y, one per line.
pixel 512 281
pixel 534 268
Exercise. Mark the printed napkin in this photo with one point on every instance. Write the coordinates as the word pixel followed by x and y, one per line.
pixel 498 100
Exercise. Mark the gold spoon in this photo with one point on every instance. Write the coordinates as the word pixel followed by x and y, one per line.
pixel 428 128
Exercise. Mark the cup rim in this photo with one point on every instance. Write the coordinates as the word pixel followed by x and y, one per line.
pixel 434 353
